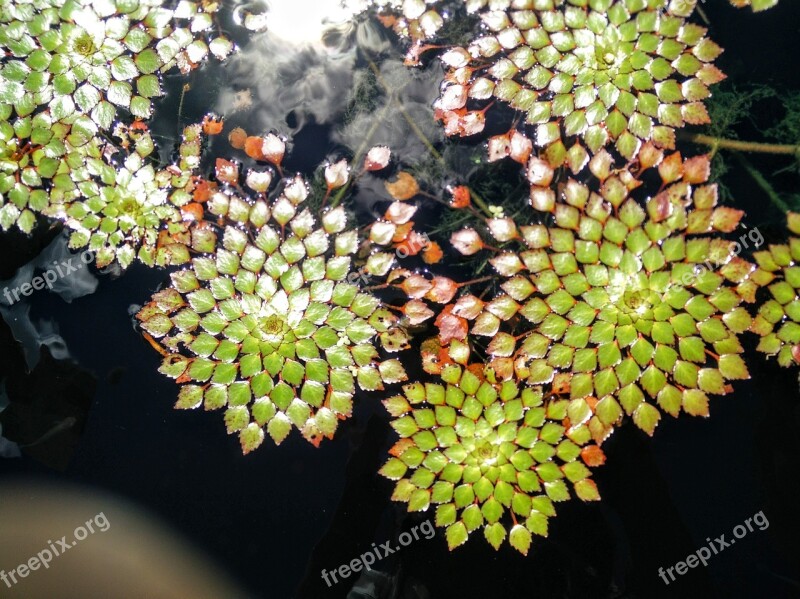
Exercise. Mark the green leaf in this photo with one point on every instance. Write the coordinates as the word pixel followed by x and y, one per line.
pixel 123 68
pixel 456 535
pixel 251 437
pixel 119 93
pixel 495 534
pixel 148 61
pixel 646 417
pixel 520 538
pixel 279 428
pixel 733 367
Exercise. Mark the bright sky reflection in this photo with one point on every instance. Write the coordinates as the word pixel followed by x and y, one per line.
pixel 303 21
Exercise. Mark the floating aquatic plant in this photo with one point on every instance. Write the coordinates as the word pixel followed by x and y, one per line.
pixel 84 60
pixel 778 318
pixel 35 153
pixel 487 455
pixel 624 72
pixel 91 57
pixel 626 307
pixel 131 211
pixel 610 298
pixel 270 325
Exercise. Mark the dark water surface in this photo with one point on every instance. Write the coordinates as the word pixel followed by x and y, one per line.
pixel 274 519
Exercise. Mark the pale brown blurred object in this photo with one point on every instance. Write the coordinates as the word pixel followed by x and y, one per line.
pixel 135 557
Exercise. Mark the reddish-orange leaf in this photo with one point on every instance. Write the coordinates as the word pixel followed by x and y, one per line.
pixel 432 254
pixel 520 148
pixel 155 345
pixel 417 311
pixel 402 232
pixel 163 238
pixel 227 171
pixel 477 370
pixel 650 155
pixel 660 207
pixel 697 169
pixel 461 196
pixel 503 368
pixel 400 447
pixel 671 168
pixel 237 138
pixel 254 147
pixel 412 245
pixel 212 125
pixel 593 456
pixel 192 212
pixel 203 189
pixel 451 326
pixel 726 219
pixel 434 356
pixel 442 291
pixel 416 286
pixel 562 383
pixel 139 125
pixel 404 188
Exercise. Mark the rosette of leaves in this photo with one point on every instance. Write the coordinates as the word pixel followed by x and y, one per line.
pixel 489 456
pixel 778 318
pixel 37 160
pixel 90 57
pixel 268 326
pixel 621 306
pixel 123 213
pixel 624 71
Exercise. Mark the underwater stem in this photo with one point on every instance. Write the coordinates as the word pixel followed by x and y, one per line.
pixel 742 146
pixel 358 157
pixel 763 184
pixel 419 133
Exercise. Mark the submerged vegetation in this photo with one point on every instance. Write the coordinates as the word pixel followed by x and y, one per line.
pixel 604 278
